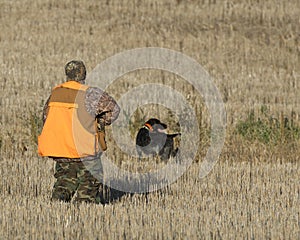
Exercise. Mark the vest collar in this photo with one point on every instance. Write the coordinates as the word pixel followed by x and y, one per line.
pixel 73 85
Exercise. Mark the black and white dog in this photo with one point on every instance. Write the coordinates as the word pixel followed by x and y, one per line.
pixel 152 140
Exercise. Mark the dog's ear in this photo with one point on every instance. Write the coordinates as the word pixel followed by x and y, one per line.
pixel 153 121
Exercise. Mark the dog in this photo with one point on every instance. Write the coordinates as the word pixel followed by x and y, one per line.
pixel 153 140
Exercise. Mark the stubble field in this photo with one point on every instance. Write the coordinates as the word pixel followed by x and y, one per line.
pixel 250 49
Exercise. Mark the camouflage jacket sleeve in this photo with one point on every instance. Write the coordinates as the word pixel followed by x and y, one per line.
pixel 45 111
pixel 98 102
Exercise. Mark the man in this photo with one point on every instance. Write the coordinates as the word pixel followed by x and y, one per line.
pixel 75 116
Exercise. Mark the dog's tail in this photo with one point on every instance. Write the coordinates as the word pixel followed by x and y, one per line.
pixel 173 135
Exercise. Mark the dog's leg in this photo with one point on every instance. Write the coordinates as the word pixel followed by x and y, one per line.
pixel 174 152
pixel 139 152
pixel 165 152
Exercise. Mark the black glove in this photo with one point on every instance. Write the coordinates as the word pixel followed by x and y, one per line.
pixel 100 125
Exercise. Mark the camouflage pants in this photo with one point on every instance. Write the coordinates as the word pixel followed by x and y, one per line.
pixel 77 178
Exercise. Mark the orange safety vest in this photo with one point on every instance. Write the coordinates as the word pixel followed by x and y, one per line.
pixel 69 130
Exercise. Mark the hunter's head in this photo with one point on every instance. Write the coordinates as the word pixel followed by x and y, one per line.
pixel 75 70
